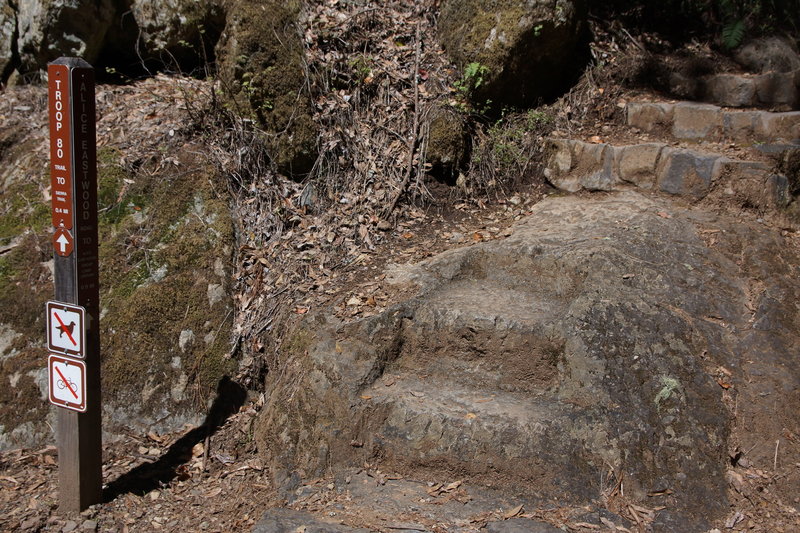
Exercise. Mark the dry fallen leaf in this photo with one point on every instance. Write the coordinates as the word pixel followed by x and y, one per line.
pixel 214 492
pixel 511 513
pixel 452 486
pixel 198 449
pixel 724 384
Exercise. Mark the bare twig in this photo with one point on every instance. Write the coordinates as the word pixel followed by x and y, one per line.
pixel 414 141
pixel 634 41
pixel 775 460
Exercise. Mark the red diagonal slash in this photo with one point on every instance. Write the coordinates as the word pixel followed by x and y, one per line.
pixel 64 328
pixel 65 382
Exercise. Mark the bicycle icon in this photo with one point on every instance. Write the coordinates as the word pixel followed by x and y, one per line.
pixel 71 384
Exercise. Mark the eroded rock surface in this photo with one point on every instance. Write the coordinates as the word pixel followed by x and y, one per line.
pixel 179 31
pixel 49 29
pixel 599 335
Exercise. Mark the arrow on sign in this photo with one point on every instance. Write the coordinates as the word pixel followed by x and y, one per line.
pixel 62 242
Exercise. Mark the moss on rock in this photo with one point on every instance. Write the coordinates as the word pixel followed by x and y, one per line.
pixel 166 288
pixel 529 49
pixel 448 143
pixel 263 74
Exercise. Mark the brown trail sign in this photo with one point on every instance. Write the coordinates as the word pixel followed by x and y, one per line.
pixel 75 383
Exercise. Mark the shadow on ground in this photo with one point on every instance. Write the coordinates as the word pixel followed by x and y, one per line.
pixel 150 476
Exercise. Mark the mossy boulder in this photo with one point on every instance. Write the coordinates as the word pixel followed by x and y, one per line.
pixel 526 49
pixel 166 246
pixel 49 29
pixel 263 75
pixel 179 31
pixel 448 143
pixel 25 284
pixel 769 54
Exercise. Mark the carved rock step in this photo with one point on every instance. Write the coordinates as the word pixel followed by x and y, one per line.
pixel 770 89
pixel 573 165
pixel 691 121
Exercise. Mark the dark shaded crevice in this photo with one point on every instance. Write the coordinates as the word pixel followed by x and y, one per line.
pixel 150 476
pixel 125 57
pixel 118 61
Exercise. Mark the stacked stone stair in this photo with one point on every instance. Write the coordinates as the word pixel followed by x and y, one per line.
pixel 686 161
pixel 768 89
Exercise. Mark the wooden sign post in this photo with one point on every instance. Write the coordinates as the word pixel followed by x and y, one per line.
pixel 75 370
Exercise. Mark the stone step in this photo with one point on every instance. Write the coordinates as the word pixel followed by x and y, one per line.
pixel 693 121
pixel 573 165
pixel 438 424
pixel 389 502
pixel 770 89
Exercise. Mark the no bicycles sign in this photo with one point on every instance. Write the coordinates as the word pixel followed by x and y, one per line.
pixel 67 383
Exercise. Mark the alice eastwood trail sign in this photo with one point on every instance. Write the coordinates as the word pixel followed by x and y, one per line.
pixel 73 317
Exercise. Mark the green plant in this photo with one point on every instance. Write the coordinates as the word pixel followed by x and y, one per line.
pixel 472 79
pixel 506 151
pixel 669 387
pixel 361 68
pixel 733 34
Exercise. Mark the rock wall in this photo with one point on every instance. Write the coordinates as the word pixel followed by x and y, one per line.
pixel 182 33
pixel 48 29
pixel 124 35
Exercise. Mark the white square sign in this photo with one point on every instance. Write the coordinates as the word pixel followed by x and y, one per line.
pixel 66 331
pixel 67 382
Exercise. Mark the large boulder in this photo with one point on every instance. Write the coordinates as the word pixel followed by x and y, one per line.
pixel 262 69
pixel 49 29
pixel 769 54
pixel 618 333
pixel 179 31
pixel 8 37
pixel 166 246
pixel 530 49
